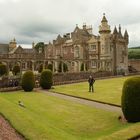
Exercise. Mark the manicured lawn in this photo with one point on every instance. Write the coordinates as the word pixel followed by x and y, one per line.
pixel 106 90
pixel 50 118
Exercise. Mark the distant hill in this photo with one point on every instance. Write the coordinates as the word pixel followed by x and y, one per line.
pixel 135 47
pixel 134 53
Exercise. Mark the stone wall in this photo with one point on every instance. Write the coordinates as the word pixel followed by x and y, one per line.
pixel 64 78
pixel 59 78
pixel 135 63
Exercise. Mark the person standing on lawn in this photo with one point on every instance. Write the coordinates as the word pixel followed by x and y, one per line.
pixel 91 81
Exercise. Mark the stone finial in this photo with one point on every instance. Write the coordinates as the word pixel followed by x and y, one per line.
pixel 104 18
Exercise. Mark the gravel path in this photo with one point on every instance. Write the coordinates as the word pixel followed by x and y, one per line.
pixel 85 102
pixel 7 132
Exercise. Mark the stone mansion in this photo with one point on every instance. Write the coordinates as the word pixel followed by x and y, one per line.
pixel 107 51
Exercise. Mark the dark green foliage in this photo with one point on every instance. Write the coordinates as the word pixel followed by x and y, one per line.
pixel 46 80
pixel 130 100
pixel 40 45
pixel 50 67
pixel 3 69
pixel 65 67
pixel 135 47
pixel 16 69
pixel 40 69
pixel 28 81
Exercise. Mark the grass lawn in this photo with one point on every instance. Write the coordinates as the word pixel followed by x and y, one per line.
pixel 51 118
pixel 106 90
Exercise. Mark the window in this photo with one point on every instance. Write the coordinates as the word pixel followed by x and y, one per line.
pixel 93 57
pixel 93 47
pixel 23 65
pixel 72 64
pixel 93 64
pixel 57 52
pixel 65 50
pixel 76 51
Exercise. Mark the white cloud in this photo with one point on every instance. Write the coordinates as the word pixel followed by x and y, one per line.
pixel 42 20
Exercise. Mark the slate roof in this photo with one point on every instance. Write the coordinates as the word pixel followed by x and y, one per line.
pixel 30 51
pixel 4 48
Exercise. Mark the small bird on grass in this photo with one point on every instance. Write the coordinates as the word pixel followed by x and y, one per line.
pixel 21 104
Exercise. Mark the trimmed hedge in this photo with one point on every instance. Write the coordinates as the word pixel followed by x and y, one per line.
pixel 130 100
pixel 46 79
pixel 28 81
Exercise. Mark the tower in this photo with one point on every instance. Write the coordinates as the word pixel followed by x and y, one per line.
pixel 126 37
pixel 12 44
pixel 104 30
pixel 33 45
pixel 120 33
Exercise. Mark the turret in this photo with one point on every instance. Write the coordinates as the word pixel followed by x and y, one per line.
pixel 104 30
pixel 120 34
pixel 115 32
pixel 12 44
pixel 104 27
pixel 84 26
pixel 126 36
pixel 33 44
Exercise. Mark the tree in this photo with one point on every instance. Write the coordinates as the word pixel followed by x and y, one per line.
pixel 46 80
pixel 16 69
pixel 28 81
pixel 3 69
pixel 40 45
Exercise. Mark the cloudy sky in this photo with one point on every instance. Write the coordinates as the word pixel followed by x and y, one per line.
pixel 43 20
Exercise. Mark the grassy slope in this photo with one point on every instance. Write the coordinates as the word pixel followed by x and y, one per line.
pixel 51 118
pixel 107 90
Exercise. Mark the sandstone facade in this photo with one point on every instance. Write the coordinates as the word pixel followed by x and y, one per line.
pixel 107 51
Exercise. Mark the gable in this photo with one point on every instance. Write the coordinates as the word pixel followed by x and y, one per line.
pixel 92 40
pixel 19 50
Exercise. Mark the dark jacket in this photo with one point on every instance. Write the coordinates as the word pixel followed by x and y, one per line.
pixel 91 80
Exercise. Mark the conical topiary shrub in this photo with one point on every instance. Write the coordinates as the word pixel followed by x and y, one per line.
pixel 46 79
pixel 28 81
pixel 130 100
